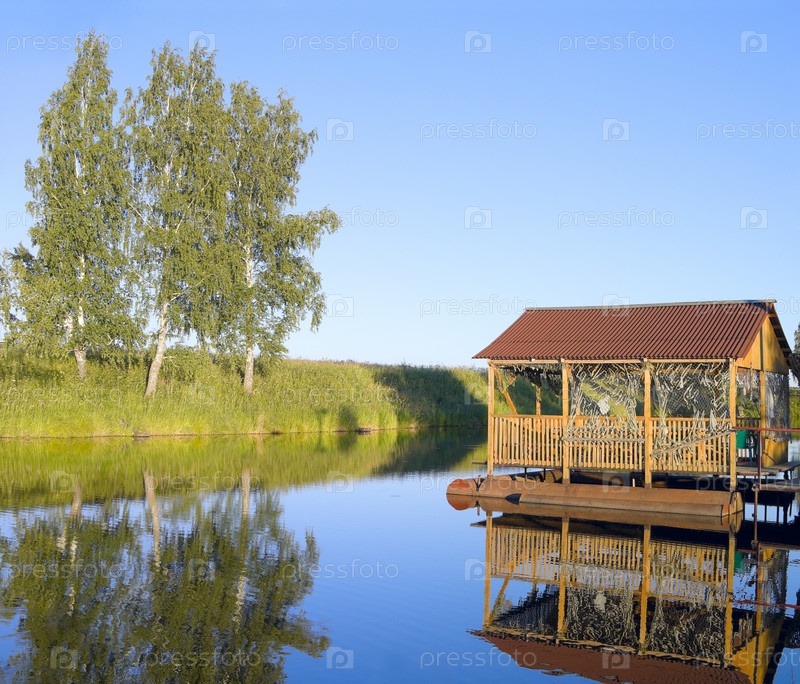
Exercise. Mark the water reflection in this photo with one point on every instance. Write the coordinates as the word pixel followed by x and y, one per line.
pixel 615 601
pixel 169 560
pixel 128 594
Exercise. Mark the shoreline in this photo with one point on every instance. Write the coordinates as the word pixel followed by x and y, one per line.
pixel 201 395
pixel 275 433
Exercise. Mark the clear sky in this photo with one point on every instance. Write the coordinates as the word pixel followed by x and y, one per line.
pixel 486 156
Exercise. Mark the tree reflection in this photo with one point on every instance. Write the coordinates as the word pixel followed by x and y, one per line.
pixel 124 592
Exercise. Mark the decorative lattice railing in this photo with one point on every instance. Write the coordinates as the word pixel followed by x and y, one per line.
pixel 679 445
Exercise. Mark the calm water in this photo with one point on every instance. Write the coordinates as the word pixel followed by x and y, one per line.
pixel 339 558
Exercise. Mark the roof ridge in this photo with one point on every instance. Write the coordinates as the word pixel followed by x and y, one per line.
pixel 706 302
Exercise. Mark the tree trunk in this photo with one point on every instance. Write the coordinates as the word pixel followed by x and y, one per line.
pixel 248 369
pixel 152 505
pixel 161 347
pixel 241 584
pixel 80 354
pixel 249 268
pixel 80 360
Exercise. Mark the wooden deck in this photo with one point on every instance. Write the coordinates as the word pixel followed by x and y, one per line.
pixel 751 470
pixel 792 485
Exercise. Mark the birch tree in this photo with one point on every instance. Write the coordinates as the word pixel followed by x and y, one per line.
pixel 274 285
pixel 177 128
pixel 72 291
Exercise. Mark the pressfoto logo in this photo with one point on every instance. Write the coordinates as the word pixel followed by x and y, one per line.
pixel 63 658
pixel 475 395
pixel 339 130
pixel 63 482
pixel 339 482
pixel 751 41
pixel 615 482
pixel 769 129
pixel 616 130
pixel 338 306
pixel 51 43
pixel 751 218
pixel 337 658
pixel 203 40
pixel 474 569
pixel 613 660
pixel 614 305
pixel 477 218
pixel 633 40
pixel 341 43
pixel 475 41
pixel 200 570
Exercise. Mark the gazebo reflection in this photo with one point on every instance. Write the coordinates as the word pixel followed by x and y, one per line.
pixel 613 600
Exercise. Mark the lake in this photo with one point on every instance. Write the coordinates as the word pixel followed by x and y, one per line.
pixel 339 558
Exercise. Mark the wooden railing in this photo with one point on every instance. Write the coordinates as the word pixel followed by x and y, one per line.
pixel 699 451
pixel 528 440
pixel 675 570
pixel 679 445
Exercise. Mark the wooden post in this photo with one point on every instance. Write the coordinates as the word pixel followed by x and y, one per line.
pixel 491 454
pixel 644 592
pixel 732 440
pixel 729 599
pixel 565 450
pixel 759 583
pixel 648 428
pixel 762 421
pixel 538 400
pixel 487 586
pixel 564 565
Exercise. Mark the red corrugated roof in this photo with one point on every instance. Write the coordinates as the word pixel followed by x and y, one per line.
pixel 693 330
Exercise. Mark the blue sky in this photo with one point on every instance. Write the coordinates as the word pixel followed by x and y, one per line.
pixel 487 157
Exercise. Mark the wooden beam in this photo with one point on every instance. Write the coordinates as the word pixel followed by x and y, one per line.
pixel 491 455
pixel 732 442
pixel 487 577
pixel 731 570
pixel 565 447
pixel 644 592
pixel 648 428
pixel 563 566
pixel 504 389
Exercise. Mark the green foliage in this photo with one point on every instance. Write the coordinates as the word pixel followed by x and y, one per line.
pixel 176 133
pixel 176 212
pixel 201 394
pixel 274 284
pixel 72 290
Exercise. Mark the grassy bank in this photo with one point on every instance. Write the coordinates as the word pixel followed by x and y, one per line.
pixel 198 395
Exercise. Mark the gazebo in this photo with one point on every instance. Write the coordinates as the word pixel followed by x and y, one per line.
pixel 644 390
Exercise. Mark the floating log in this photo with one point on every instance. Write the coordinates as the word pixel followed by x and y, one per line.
pixel 528 490
pixel 492 505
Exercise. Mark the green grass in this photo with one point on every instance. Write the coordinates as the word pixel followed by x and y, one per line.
pixel 794 407
pixel 200 395
pixel 45 472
